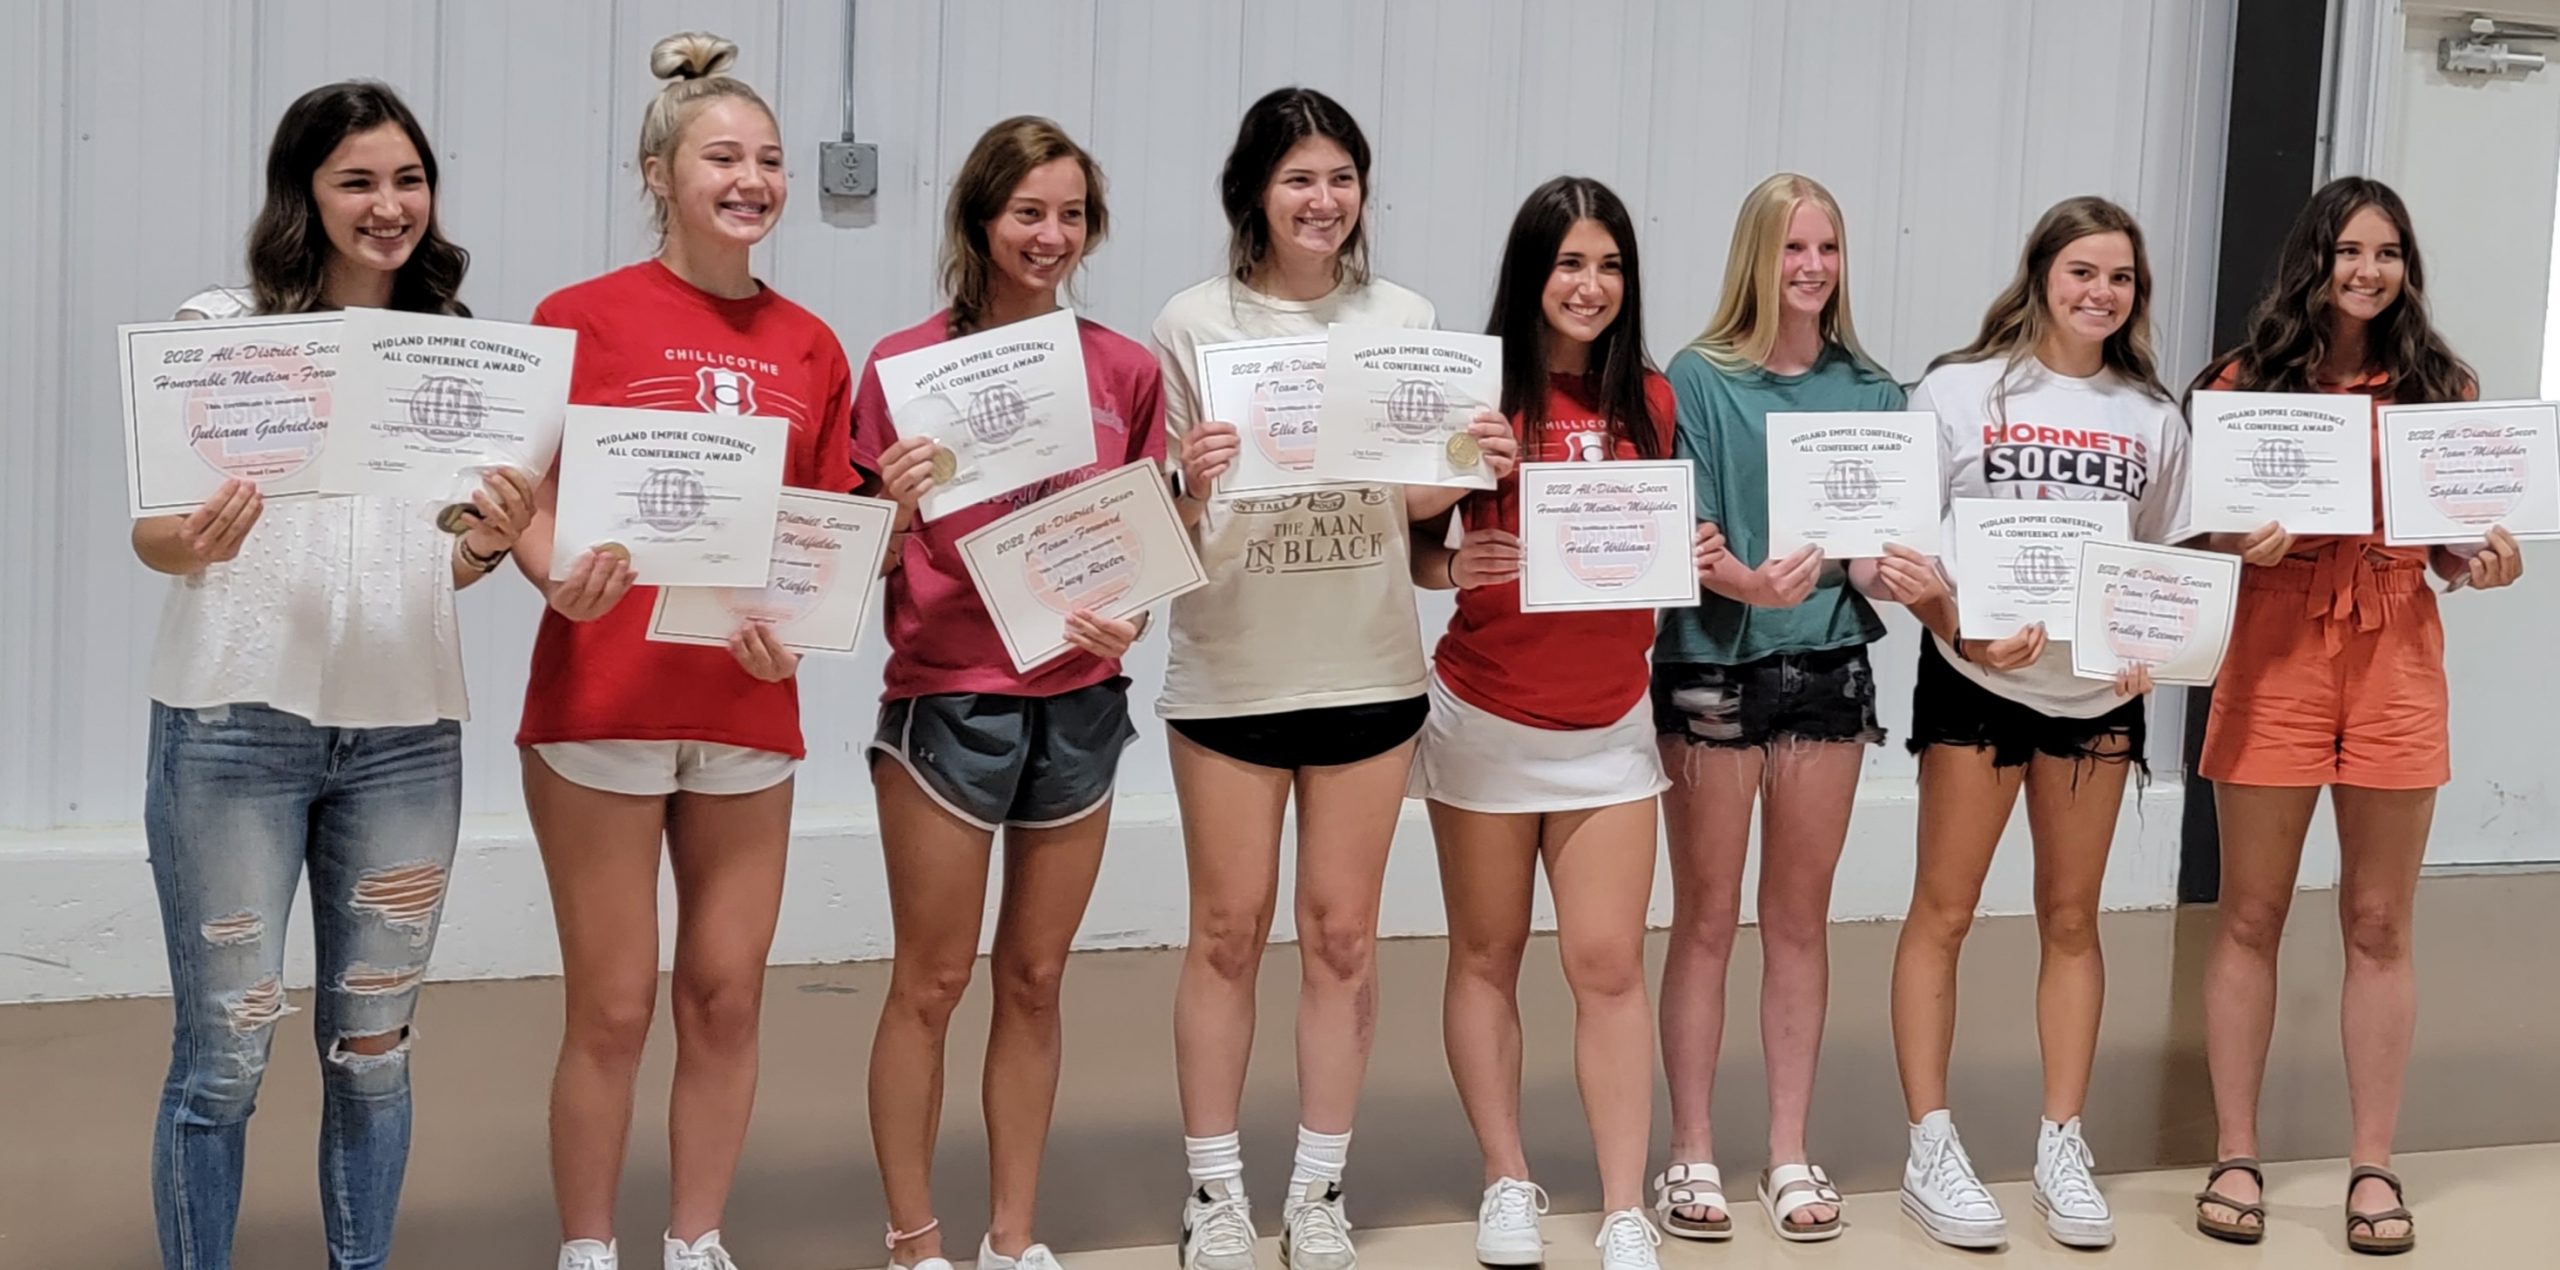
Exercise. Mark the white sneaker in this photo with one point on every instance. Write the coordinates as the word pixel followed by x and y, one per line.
pixel 702 1254
pixel 929 1263
pixel 1507 1224
pixel 2075 1214
pixel 1315 1235
pixel 1941 1192
pixel 1035 1257
pixel 1627 1241
pixel 1217 1229
pixel 587 1254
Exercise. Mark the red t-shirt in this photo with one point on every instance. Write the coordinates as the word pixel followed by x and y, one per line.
pixel 649 339
pixel 1551 670
pixel 940 637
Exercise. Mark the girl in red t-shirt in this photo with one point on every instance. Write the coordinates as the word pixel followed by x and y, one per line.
pixel 1539 744
pixel 2335 678
pixel 966 744
pixel 628 744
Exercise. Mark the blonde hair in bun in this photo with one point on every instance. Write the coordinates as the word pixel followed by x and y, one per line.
pixel 695 65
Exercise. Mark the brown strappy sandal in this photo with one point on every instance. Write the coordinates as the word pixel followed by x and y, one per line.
pixel 2362 1228
pixel 2237 1230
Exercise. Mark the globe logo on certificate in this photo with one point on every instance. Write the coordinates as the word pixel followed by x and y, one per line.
pixel 267 422
pixel 1852 484
pixel 1283 425
pixel 996 413
pixel 672 500
pixel 2280 462
pixel 2040 571
pixel 1416 407
pixel 447 408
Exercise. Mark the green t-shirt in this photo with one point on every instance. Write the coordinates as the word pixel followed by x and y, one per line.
pixel 1724 434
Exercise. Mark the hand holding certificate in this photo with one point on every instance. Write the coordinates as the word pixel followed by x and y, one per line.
pixel 1398 404
pixel 1607 536
pixel 689 499
pixel 827 550
pixel 2017 562
pixel 207 402
pixel 1272 392
pixel 1852 482
pixel 1007 406
pixel 2452 472
pixel 2163 608
pixel 1111 546
pixel 2300 460
pixel 426 403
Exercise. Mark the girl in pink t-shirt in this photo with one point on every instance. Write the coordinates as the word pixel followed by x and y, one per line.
pixel 967 745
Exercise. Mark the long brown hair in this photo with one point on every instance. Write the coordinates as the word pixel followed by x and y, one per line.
pixel 2021 315
pixel 1007 153
pixel 1618 363
pixel 288 248
pixel 2289 331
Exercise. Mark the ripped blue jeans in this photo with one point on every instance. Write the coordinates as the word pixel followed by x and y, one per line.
pixel 242 800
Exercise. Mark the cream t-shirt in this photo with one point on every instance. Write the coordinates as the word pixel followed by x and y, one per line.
pixel 1310 595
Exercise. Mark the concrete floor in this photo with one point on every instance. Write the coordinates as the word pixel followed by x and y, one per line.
pixel 75 1128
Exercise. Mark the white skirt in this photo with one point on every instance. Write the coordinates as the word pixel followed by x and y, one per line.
pixel 1476 760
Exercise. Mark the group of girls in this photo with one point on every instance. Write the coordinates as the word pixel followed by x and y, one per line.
pixel 308 694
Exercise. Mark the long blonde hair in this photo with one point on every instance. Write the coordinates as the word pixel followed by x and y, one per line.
pixel 1005 155
pixel 1744 329
pixel 695 65
pixel 2019 317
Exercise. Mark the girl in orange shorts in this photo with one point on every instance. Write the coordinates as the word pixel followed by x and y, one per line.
pixel 2335 678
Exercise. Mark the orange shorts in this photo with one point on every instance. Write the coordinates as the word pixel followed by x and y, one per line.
pixel 2335 677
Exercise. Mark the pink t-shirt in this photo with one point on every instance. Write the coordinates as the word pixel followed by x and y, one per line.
pixel 940 637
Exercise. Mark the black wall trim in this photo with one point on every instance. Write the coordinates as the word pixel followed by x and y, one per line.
pixel 2268 169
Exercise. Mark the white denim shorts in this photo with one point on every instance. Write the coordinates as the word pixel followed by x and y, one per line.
pixel 1476 760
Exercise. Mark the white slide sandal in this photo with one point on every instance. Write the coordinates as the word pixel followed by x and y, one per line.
pixel 1692 1185
pixel 1788 1189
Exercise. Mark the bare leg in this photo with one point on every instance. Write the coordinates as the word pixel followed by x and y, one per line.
pixel 1964 804
pixel 1707 814
pixel 1488 877
pixel 2071 812
pixel 1812 786
pixel 2262 831
pixel 1048 877
pixel 1231 816
pixel 2382 840
pixel 1600 866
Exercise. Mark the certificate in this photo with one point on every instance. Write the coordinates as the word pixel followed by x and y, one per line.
pixel 1008 406
pixel 1112 545
pixel 1272 391
pixel 2163 607
pixel 1849 482
pixel 207 402
pixel 426 403
pixel 1397 402
pixel 689 498
pixel 827 550
pixel 1607 536
pixel 2303 460
pixel 2451 471
pixel 2017 561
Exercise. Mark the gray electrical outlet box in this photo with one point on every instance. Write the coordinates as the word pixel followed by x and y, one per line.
pixel 850 169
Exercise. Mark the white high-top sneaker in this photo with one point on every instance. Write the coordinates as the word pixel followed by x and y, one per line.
pixel 2074 1212
pixel 702 1254
pixel 1507 1224
pixel 1627 1241
pixel 1941 1192
pixel 588 1254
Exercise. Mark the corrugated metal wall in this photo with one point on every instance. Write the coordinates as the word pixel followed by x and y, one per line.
pixel 1944 126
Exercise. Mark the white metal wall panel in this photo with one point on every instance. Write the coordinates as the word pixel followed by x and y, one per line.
pixel 1944 128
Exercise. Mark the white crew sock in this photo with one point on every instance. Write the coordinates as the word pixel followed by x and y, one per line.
pixel 1321 1157
pixel 1217 1159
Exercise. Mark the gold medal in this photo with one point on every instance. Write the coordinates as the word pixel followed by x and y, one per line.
pixel 945 466
pixel 614 549
pixel 1463 450
pixel 457 518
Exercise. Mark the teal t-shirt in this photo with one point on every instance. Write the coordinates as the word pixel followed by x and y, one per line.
pixel 1724 435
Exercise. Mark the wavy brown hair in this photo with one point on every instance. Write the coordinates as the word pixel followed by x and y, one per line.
pixel 2292 328
pixel 1271 128
pixel 996 166
pixel 288 248
pixel 2021 315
